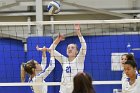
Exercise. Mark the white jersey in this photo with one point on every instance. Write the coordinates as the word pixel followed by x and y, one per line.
pixel 42 75
pixel 70 69
pixel 138 87
pixel 127 88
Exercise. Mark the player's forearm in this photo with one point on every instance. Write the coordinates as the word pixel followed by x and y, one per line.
pixel 83 43
pixel 55 43
pixel 44 62
pixel 53 46
pixel 81 38
pixel 44 54
pixel 79 33
pixel 49 68
pixel 57 40
pixel 56 54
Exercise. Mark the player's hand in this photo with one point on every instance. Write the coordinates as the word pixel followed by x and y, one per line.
pixel 61 37
pixel 44 49
pixel 77 28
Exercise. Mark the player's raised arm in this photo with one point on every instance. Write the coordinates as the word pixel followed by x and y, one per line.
pixel 82 40
pixel 77 28
pixel 57 55
pixel 44 49
pixel 51 66
pixel 44 57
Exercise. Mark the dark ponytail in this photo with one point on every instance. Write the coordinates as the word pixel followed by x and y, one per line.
pixel 29 67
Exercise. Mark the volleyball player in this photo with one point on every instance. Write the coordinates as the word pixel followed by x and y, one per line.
pixel 72 64
pixel 83 83
pixel 126 57
pixel 130 81
pixel 138 87
pixel 37 72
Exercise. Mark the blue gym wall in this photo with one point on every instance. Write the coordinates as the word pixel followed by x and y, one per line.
pixel 11 56
pixel 98 57
pixel 97 62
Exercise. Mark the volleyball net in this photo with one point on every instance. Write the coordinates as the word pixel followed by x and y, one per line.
pixel 106 41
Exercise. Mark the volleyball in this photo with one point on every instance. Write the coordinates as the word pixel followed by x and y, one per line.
pixel 53 7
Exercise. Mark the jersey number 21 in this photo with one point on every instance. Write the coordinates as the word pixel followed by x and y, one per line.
pixel 68 69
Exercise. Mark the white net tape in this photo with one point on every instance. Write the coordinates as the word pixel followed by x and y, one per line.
pixel 72 22
pixel 58 83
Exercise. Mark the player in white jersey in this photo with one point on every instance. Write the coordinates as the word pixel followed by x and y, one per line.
pixel 138 86
pixel 72 64
pixel 126 57
pixel 38 72
pixel 130 79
